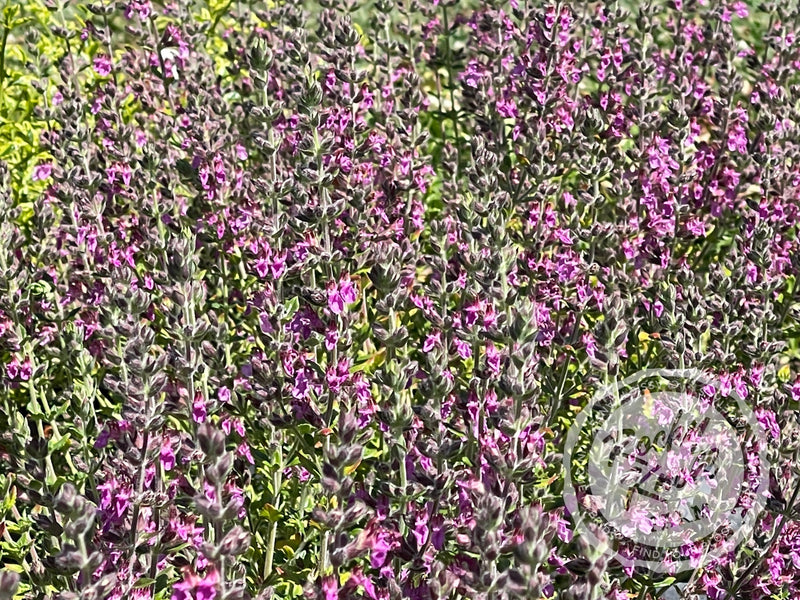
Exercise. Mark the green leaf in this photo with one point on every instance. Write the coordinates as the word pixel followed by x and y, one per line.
pixel 372 453
pixel 664 582
pixel 9 501
pixel 291 307
pixel 54 445
pixel 178 548
pixel 26 212
pixel 270 513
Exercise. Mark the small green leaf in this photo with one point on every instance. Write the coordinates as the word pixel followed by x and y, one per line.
pixel 26 212
pixel 291 307
pixel 270 513
pixel 54 445
pixel 9 500
pixel 144 582
pixel 664 582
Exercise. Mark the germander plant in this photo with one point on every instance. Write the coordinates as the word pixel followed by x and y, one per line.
pixel 302 299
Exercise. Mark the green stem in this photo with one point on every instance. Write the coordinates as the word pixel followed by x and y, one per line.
pixel 136 506
pixel 273 531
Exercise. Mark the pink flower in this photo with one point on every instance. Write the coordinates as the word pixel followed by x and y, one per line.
pixel 140 7
pixel 380 551
pixel 236 496
pixel 591 346
pixel 278 266
pixel 767 420
pixel 42 171
pixel 244 450
pixel 358 578
pixel 348 291
pixel 563 236
pixel 711 580
pixel 637 520
pixel 493 358
pixel 115 499
pixel 421 528
pixel 563 530
pixel 696 227
pixel 12 368
pixel 265 324
pixel 472 75
pixel 102 65
pixel 433 339
pixel 341 294
pixel 506 108
pixel 737 139
pixel 463 348
pixel 195 587
pixel 796 391
pixel 331 337
pixel 330 588
pixel 199 413
pixel 167 455
pixel 23 370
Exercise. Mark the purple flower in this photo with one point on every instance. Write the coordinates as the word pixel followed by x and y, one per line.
pixel 434 339
pixel 141 7
pixel 380 551
pixel 507 108
pixel 102 65
pixel 767 420
pixel 421 529
pixel 493 358
pixel 224 394
pixel 12 368
pixel 195 587
pixel 42 171
pixel 331 337
pixel 167 455
pixel 244 450
pixel 341 294
pixel 330 589
pixel 199 413
pixel 463 348
pixel 24 369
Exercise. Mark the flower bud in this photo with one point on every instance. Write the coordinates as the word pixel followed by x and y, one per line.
pixel 260 56
pixel 212 440
pixel 69 560
pixel 218 472
pixel 235 542
pixel 9 581
pixel 66 499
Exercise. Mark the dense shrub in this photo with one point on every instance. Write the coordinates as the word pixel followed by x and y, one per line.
pixel 303 299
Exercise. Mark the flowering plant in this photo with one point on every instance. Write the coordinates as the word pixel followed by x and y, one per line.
pixel 305 301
